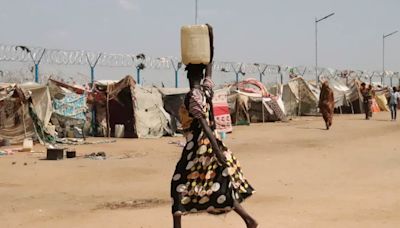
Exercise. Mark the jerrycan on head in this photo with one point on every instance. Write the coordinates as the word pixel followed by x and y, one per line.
pixel 195 44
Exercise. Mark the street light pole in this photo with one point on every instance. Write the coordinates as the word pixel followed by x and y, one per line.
pixel 316 45
pixel 195 12
pixel 383 53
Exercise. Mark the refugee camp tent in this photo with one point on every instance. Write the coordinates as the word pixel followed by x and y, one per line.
pixel 173 99
pixel 249 108
pixel 300 97
pixel 69 108
pixel 152 121
pixel 250 102
pixel 114 104
pixel 25 112
pixel 15 122
pixel 381 99
pixel 341 92
pixel 40 110
pixel 355 96
pixel 347 97
pixel 222 115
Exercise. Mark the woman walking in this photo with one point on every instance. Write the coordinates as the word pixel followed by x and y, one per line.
pixel 393 101
pixel 366 92
pixel 208 177
pixel 326 104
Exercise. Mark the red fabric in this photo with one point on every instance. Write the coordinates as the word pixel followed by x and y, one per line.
pixel 221 110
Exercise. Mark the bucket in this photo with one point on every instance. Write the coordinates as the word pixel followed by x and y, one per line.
pixel 55 154
pixel 119 130
pixel 71 154
pixel 27 145
pixel 195 44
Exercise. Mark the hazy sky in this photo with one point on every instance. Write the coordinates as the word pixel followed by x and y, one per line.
pixel 275 32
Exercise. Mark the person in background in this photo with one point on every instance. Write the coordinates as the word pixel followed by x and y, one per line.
pixel 393 101
pixel 366 92
pixel 326 104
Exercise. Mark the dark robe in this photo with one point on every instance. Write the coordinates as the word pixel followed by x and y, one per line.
pixel 326 104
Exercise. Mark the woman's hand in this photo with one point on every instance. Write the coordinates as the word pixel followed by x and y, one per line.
pixel 221 158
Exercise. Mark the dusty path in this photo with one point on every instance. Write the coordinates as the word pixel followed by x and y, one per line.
pixel 304 177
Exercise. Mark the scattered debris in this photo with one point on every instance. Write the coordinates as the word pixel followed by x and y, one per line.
pixel 133 155
pixel 133 204
pixel 178 143
pixel 5 142
pixel 96 156
pixel 76 141
pixel 5 152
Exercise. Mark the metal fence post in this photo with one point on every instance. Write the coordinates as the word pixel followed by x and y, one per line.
pixel 92 66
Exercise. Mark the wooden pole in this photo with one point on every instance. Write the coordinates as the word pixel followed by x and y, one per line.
pixel 262 109
pixel 299 111
pixel 23 117
pixel 108 113
pixel 352 108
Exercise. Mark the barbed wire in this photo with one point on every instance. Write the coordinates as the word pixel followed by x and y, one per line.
pixel 11 53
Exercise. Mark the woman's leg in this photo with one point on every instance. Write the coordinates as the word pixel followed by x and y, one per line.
pixel 177 221
pixel 391 112
pixel 326 119
pixel 366 110
pixel 395 111
pixel 250 222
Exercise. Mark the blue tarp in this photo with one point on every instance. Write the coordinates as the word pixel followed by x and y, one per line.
pixel 71 106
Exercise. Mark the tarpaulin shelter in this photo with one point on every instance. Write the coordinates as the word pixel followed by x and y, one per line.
pixel 25 112
pixel 221 110
pixel 347 97
pixel 114 104
pixel 173 99
pixel 381 99
pixel 249 108
pixel 15 122
pixel 250 102
pixel 152 121
pixel 300 97
pixel 69 106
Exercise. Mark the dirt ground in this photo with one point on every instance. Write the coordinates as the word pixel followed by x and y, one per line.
pixel 304 177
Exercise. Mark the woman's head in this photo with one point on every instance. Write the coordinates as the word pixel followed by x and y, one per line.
pixel 325 84
pixel 195 73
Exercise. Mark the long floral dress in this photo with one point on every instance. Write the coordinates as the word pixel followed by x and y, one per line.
pixel 200 183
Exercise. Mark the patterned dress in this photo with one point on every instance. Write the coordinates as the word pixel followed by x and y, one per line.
pixel 200 183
